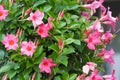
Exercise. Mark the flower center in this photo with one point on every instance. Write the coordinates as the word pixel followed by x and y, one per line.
pixel 45 63
pixel 1 13
pixel 34 17
pixel 29 48
pixel 90 40
pixel 11 42
pixel 41 31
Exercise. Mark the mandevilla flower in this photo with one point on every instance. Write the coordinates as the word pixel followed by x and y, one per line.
pixel 81 77
pixel 10 42
pixel 94 76
pixel 94 5
pixel 93 39
pixel 107 55
pixel 36 18
pixel 96 26
pixel 108 19
pixel 3 13
pixel 110 77
pixel 86 14
pixel 107 37
pixel 89 66
pixel 46 65
pixel 28 48
pixel 43 30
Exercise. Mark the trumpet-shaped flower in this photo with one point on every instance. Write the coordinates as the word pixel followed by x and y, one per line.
pixel 107 37
pixel 46 65
pixel 94 5
pixel 89 66
pixel 28 48
pixel 36 18
pixel 3 13
pixel 93 39
pixel 108 19
pixel 43 30
pixel 10 42
pixel 107 55
pixel 110 77
pixel 94 76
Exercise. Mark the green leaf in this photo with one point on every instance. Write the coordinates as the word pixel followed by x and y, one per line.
pixel 7 67
pixel 38 76
pixel 2 54
pixel 11 73
pixel 54 47
pixel 47 8
pixel 2 36
pixel 68 50
pixel 57 78
pixel 39 58
pixel 69 41
pixel 61 24
pixel 39 3
pixel 72 76
pixel 38 52
pixel 63 60
pixel 77 42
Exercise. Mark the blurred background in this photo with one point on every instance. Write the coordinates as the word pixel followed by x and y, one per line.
pixel 115 8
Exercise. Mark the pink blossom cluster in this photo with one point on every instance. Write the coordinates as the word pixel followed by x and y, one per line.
pixel 12 42
pixel 96 36
pixel 94 73
pixel 36 18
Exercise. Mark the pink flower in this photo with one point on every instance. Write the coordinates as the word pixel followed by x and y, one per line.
pixel 3 13
pixel 43 30
pixel 94 76
pixel 93 39
pixel 108 19
pixel 107 55
pixel 89 66
pixel 107 37
pixel 36 18
pixel 61 14
pixel 110 77
pixel 28 11
pixel 49 24
pixel 28 48
pixel 46 65
pixel 96 26
pixel 60 43
pixel 81 77
pixel 86 14
pixel 94 5
pixel 10 42
pixel 103 10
